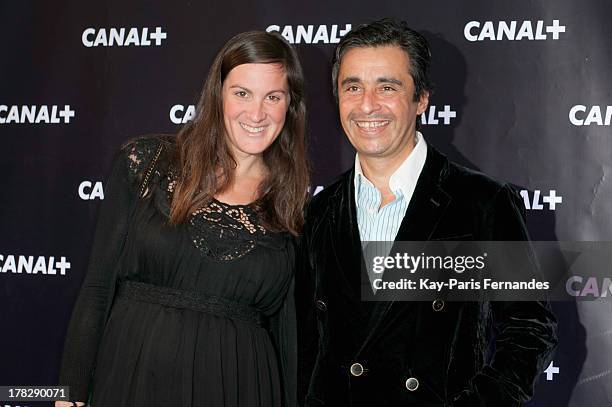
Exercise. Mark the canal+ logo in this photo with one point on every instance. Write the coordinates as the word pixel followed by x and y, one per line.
pixel 24 264
pixel 435 115
pixel 35 114
pixel 540 200
pixel 513 30
pixel 90 190
pixel 582 115
pixel 311 34
pixel 123 37
pixel 181 114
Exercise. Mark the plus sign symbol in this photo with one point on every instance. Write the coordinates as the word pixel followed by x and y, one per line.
pixel 62 265
pixel 67 113
pixel 536 204
pixel 158 35
pixel 447 114
pixel 551 371
pixel 430 116
pixel 555 29
pixel 552 199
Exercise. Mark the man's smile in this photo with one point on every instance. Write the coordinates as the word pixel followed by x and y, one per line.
pixel 371 124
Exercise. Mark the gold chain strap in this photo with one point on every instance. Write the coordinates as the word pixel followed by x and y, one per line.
pixel 150 170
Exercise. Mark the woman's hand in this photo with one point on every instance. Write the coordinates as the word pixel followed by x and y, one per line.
pixel 68 403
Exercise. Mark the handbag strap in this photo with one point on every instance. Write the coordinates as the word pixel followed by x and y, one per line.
pixel 143 190
pixel 145 181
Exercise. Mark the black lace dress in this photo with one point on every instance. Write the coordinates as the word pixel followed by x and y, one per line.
pixel 199 314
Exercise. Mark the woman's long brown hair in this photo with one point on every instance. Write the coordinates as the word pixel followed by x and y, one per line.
pixel 203 157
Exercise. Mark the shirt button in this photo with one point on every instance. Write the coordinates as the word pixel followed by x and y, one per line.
pixel 356 369
pixel 412 384
pixel 437 305
pixel 321 306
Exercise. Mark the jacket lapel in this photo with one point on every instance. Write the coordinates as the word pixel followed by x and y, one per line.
pixel 345 240
pixel 426 208
pixel 429 201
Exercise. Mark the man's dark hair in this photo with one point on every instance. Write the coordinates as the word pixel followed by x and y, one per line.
pixel 386 32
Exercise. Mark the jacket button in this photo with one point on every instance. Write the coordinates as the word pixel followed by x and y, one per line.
pixel 356 369
pixel 321 306
pixel 412 384
pixel 437 305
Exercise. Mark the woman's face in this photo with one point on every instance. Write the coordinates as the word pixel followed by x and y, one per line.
pixel 255 102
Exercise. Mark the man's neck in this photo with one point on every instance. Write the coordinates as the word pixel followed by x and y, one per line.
pixel 378 170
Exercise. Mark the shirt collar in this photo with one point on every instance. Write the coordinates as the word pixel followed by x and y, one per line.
pixel 404 179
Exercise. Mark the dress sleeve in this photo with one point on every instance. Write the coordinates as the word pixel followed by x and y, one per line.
pixel 283 332
pixel 96 294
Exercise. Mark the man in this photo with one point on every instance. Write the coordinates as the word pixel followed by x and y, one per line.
pixel 356 353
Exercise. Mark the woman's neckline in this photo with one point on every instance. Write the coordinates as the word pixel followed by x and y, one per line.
pixel 249 205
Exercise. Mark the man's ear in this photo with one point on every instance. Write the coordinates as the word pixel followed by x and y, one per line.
pixel 423 102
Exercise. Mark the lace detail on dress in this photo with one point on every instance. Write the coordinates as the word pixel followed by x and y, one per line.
pixel 140 153
pixel 225 232
pixel 220 231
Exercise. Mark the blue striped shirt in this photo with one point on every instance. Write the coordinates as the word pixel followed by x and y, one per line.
pixel 382 224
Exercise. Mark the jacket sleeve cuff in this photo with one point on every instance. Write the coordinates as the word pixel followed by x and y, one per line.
pixel 489 390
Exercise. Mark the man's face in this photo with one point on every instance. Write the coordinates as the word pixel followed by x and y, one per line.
pixel 375 95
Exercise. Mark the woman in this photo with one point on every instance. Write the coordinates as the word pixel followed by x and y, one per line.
pixel 188 300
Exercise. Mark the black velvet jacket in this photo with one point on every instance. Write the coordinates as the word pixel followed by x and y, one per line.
pixel 444 346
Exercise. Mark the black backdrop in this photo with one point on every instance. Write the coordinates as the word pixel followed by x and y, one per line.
pixel 527 83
